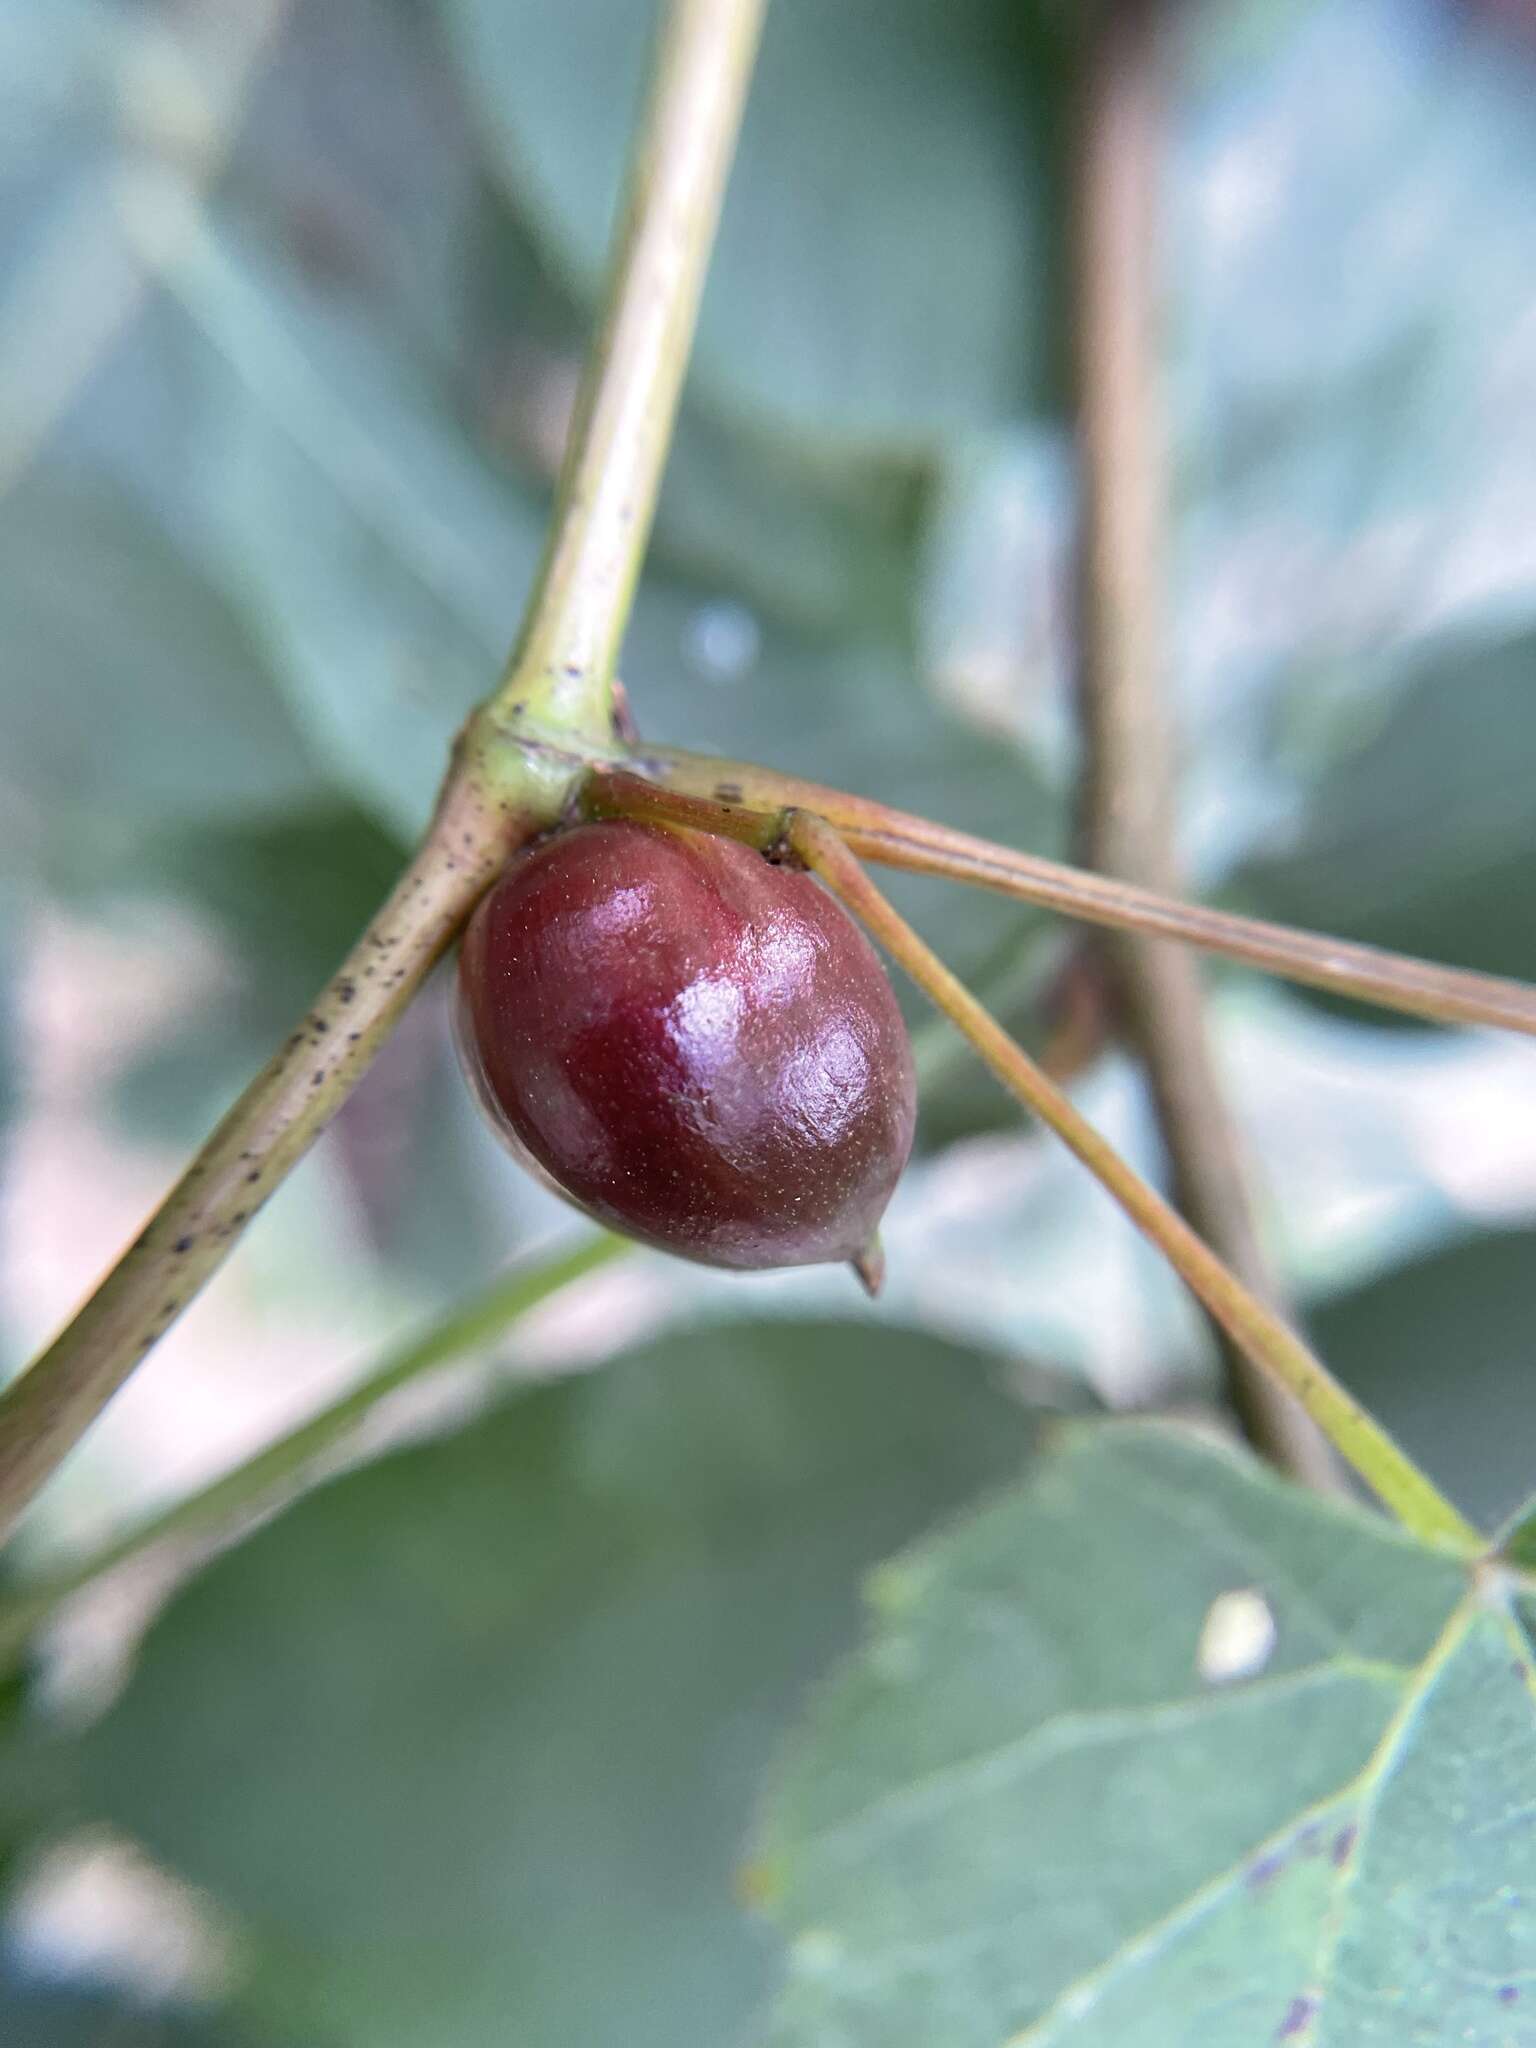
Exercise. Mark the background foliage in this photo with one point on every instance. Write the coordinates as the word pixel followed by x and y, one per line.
pixel 291 301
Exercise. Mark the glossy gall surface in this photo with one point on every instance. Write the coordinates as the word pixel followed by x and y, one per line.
pixel 700 1049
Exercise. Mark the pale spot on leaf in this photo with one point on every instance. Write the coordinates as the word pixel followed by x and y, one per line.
pixel 1238 1637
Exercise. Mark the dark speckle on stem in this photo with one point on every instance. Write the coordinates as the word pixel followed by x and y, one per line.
pixel 728 792
pixel 182 1245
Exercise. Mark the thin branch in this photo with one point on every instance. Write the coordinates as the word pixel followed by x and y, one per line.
pixel 1128 807
pixel 899 839
pixel 45 1412
pixel 501 787
pixel 294 1459
pixel 561 670
pixel 1264 1338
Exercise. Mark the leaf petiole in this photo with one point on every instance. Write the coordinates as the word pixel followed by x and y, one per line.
pixel 898 839
pixel 1261 1335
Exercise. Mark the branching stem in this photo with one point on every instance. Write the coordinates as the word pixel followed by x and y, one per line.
pixel 512 770
pixel 561 671
pixel 1128 813
pixel 899 839
pixel 1274 1348
pixel 525 755
pixel 44 1413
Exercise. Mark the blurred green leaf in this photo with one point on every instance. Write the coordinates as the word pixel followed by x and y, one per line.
pixel 823 546
pixel 298 887
pixel 38 1784
pixel 1440 1350
pixel 442 1201
pixel 394 230
pixel 43 2014
pixel 211 421
pixel 50 108
pixel 1422 836
pixel 1158 1750
pixel 356 167
pixel 135 694
pixel 1021 984
pixel 845 298
pixel 383 560
pixel 1351 276
pixel 288 895
pixel 10 984
pixel 566 1641
pixel 21 1810
pixel 822 538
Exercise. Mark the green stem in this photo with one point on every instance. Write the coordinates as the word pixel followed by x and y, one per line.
pixel 513 769
pixel 44 1413
pixel 1274 1348
pixel 282 1465
pixel 899 839
pixel 561 671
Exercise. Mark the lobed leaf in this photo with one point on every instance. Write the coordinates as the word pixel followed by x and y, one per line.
pixel 1156 1750
pixel 1439 1349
